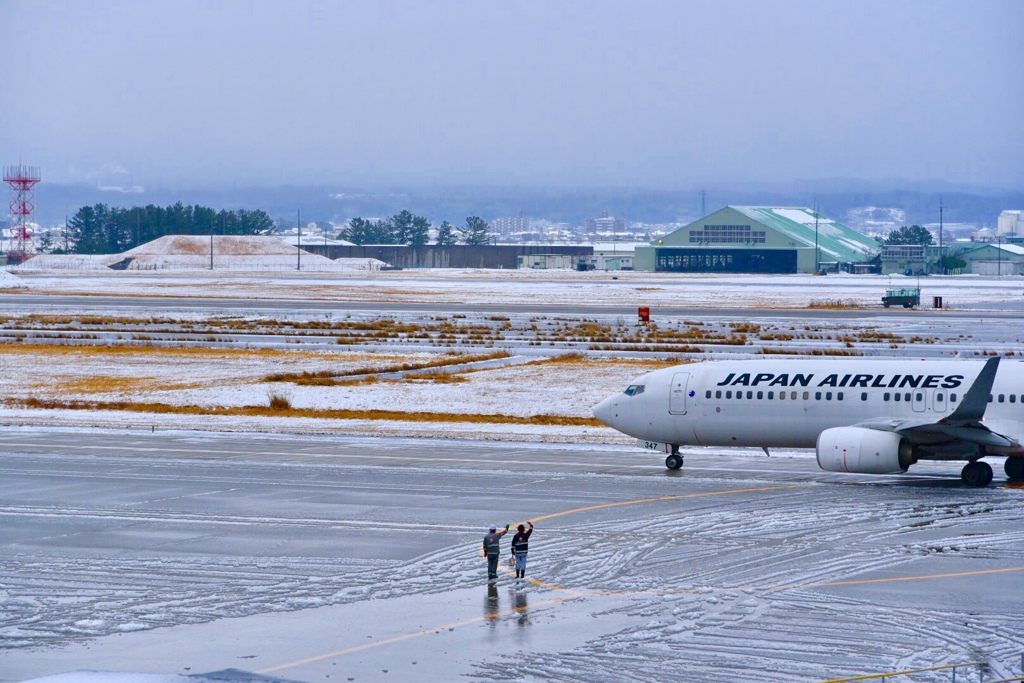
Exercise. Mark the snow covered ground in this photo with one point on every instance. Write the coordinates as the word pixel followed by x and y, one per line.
pixel 215 358
pixel 304 543
pixel 9 281
pixel 498 287
pixel 235 378
pixel 193 253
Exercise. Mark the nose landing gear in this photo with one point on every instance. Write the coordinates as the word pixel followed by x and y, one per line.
pixel 976 473
pixel 674 461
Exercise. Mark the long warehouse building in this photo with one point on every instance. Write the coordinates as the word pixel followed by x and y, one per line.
pixel 756 239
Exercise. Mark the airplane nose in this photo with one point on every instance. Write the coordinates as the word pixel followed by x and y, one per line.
pixel 605 411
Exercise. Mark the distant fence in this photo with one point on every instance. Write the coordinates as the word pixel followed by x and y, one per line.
pixel 455 256
pixel 264 267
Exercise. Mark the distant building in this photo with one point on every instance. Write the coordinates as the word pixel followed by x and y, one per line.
pixel 1011 223
pixel 607 225
pixel 514 225
pixel 548 261
pixel 614 255
pixel 757 239
pixel 915 258
pixel 994 259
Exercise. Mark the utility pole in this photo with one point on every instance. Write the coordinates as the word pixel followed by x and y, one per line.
pixel 65 230
pixel 298 242
pixel 211 246
pixel 702 211
pixel 999 255
pixel 817 254
pixel 942 267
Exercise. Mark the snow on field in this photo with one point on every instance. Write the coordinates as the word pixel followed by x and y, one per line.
pixel 500 287
pixel 233 378
pixel 538 388
pixel 8 281
pixel 117 677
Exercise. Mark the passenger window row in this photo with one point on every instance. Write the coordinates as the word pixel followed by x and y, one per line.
pixel 939 398
pixel 917 396
pixel 1002 398
pixel 770 395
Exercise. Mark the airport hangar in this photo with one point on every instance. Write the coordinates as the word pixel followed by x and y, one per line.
pixel 758 239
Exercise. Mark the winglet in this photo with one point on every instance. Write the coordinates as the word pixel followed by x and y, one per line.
pixel 972 408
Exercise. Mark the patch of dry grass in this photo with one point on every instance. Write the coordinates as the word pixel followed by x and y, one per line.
pixel 333 414
pixel 104 385
pixel 21 348
pixel 329 378
pixel 279 402
pixel 833 304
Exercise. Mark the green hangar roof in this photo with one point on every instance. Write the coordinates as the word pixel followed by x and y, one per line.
pixel 834 239
pixel 792 225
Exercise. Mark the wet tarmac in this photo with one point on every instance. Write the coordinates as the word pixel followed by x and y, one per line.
pixel 349 558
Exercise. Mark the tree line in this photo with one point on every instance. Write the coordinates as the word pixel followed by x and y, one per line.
pixel 101 229
pixel 412 230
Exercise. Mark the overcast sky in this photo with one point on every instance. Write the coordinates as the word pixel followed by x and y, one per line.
pixel 644 94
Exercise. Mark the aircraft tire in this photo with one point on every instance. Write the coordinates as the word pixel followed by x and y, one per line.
pixel 1014 468
pixel 976 473
pixel 674 461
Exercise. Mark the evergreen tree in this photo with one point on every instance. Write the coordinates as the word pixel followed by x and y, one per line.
pixel 477 231
pixel 357 231
pixel 84 228
pixel 445 235
pixel 419 233
pixel 401 227
pixel 100 229
pixel 381 232
pixel 46 242
pixel 915 234
pixel 952 264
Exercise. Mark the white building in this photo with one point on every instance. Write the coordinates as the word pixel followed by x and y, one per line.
pixel 1011 223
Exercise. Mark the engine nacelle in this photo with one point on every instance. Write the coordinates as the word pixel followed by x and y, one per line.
pixel 865 451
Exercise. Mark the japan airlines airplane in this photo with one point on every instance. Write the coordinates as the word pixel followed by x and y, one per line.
pixel 867 416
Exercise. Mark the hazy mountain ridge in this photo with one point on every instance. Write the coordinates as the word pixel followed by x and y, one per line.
pixel 869 200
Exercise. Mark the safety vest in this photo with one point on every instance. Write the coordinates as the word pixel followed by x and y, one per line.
pixel 492 544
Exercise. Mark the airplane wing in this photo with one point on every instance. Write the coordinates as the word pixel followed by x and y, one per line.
pixel 963 424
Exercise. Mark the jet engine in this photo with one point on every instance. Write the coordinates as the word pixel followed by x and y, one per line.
pixel 864 451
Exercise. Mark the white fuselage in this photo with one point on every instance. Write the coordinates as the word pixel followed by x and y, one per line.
pixel 788 403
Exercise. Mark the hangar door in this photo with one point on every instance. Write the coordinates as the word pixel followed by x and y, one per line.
pixel 684 260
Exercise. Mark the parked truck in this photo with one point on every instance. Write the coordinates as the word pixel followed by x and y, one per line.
pixel 907 298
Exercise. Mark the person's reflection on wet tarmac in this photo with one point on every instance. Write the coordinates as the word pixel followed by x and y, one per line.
pixel 521 605
pixel 491 606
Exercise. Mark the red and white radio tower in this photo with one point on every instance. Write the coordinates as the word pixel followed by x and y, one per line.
pixel 22 179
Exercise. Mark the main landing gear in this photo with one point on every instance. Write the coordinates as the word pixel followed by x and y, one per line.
pixel 674 461
pixel 976 473
pixel 1014 468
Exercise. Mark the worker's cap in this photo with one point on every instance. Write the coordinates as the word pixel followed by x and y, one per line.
pixel 494 527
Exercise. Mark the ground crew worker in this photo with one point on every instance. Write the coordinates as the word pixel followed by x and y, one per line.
pixel 492 549
pixel 521 546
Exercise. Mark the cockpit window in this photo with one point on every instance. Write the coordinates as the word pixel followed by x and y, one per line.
pixel 634 389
